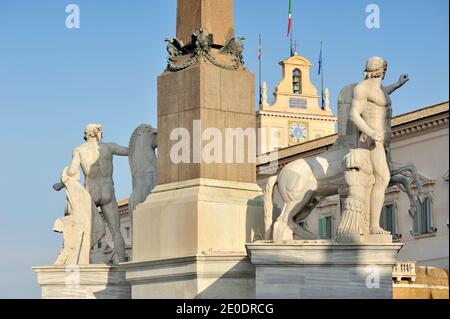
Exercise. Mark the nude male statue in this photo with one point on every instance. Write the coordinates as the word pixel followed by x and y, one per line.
pixel 371 113
pixel 96 160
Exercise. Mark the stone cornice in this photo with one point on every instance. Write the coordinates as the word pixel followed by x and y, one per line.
pixel 306 116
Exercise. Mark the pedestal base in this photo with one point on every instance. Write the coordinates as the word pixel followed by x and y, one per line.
pixel 83 282
pixel 195 277
pixel 189 240
pixel 364 239
pixel 323 270
pixel 197 217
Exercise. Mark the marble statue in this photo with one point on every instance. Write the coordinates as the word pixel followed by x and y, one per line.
pixel 326 98
pixel 264 99
pixel 82 225
pixel 143 164
pixel 362 151
pixel 371 113
pixel 96 161
pixel 358 184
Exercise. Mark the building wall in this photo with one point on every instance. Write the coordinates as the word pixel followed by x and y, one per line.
pixel 430 154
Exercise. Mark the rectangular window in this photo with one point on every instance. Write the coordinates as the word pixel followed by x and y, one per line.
pixel 388 220
pixel 423 221
pixel 297 103
pixel 99 245
pixel 326 227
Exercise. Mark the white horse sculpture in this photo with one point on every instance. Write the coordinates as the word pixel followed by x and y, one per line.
pixel 303 183
pixel 143 164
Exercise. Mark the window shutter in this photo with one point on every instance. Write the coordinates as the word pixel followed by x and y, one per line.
pixel 329 227
pixel 417 219
pixel 394 220
pixel 383 218
pixel 429 214
pixel 321 228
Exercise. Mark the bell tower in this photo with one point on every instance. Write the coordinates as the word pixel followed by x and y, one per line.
pixel 295 116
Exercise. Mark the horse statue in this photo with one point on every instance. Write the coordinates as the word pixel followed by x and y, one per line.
pixel 143 164
pixel 303 183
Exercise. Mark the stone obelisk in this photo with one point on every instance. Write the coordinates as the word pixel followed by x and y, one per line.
pixel 189 236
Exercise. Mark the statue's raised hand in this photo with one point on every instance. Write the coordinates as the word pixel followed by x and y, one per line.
pixel 403 79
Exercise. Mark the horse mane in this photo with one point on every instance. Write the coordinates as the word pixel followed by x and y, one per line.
pixel 346 130
pixel 137 133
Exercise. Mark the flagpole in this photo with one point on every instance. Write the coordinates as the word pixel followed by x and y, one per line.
pixel 292 45
pixel 292 23
pixel 290 27
pixel 321 73
pixel 260 70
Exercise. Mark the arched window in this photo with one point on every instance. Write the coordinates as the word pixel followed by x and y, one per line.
pixel 297 81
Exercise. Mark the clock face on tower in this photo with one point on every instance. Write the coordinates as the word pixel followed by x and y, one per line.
pixel 297 133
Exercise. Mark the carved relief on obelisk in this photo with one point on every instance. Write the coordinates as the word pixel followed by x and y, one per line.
pixel 214 16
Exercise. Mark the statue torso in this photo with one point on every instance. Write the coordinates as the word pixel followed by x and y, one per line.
pixel 96 161
pixel 378 113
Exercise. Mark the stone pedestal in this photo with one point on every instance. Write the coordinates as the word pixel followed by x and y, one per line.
pixel 323 270
pixel 83 282
pixel 217 276
pixel 189 240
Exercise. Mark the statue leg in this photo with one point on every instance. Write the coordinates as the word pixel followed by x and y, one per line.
pixel 403 183
pixel 302 212
pixel 382 178
pixel 281 229
pixel 285 227
pixel 410 171
pixel 112 216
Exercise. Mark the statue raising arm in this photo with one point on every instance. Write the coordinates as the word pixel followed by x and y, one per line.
pixel 119 150
pixel 394 87
pixel 359 103
pixel 75 165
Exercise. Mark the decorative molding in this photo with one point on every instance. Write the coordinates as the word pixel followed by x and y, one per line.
pixel 297 116
pixel 200 50
pixel 420 128
pixel 446 176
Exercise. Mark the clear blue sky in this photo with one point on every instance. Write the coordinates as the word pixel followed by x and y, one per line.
pixel 53 81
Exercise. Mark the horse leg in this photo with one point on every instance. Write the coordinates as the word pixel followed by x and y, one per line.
pixel 285 227
pixel 410 171
pixel 403 183
pixel 301 215
pixel 281 230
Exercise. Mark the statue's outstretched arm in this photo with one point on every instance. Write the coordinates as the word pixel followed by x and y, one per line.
pixel 119 150
pixel 75 165
pixel 359 102
pixel 394 87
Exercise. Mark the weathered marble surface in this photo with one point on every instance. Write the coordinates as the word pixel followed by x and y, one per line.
pixel 214 276
pixel 143 164
pixel 83 282
pixel 322 269
pixel 197 216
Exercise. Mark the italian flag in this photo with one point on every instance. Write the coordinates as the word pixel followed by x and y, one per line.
pixel 290 18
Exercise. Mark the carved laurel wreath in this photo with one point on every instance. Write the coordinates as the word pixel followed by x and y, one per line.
pixel 200 49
